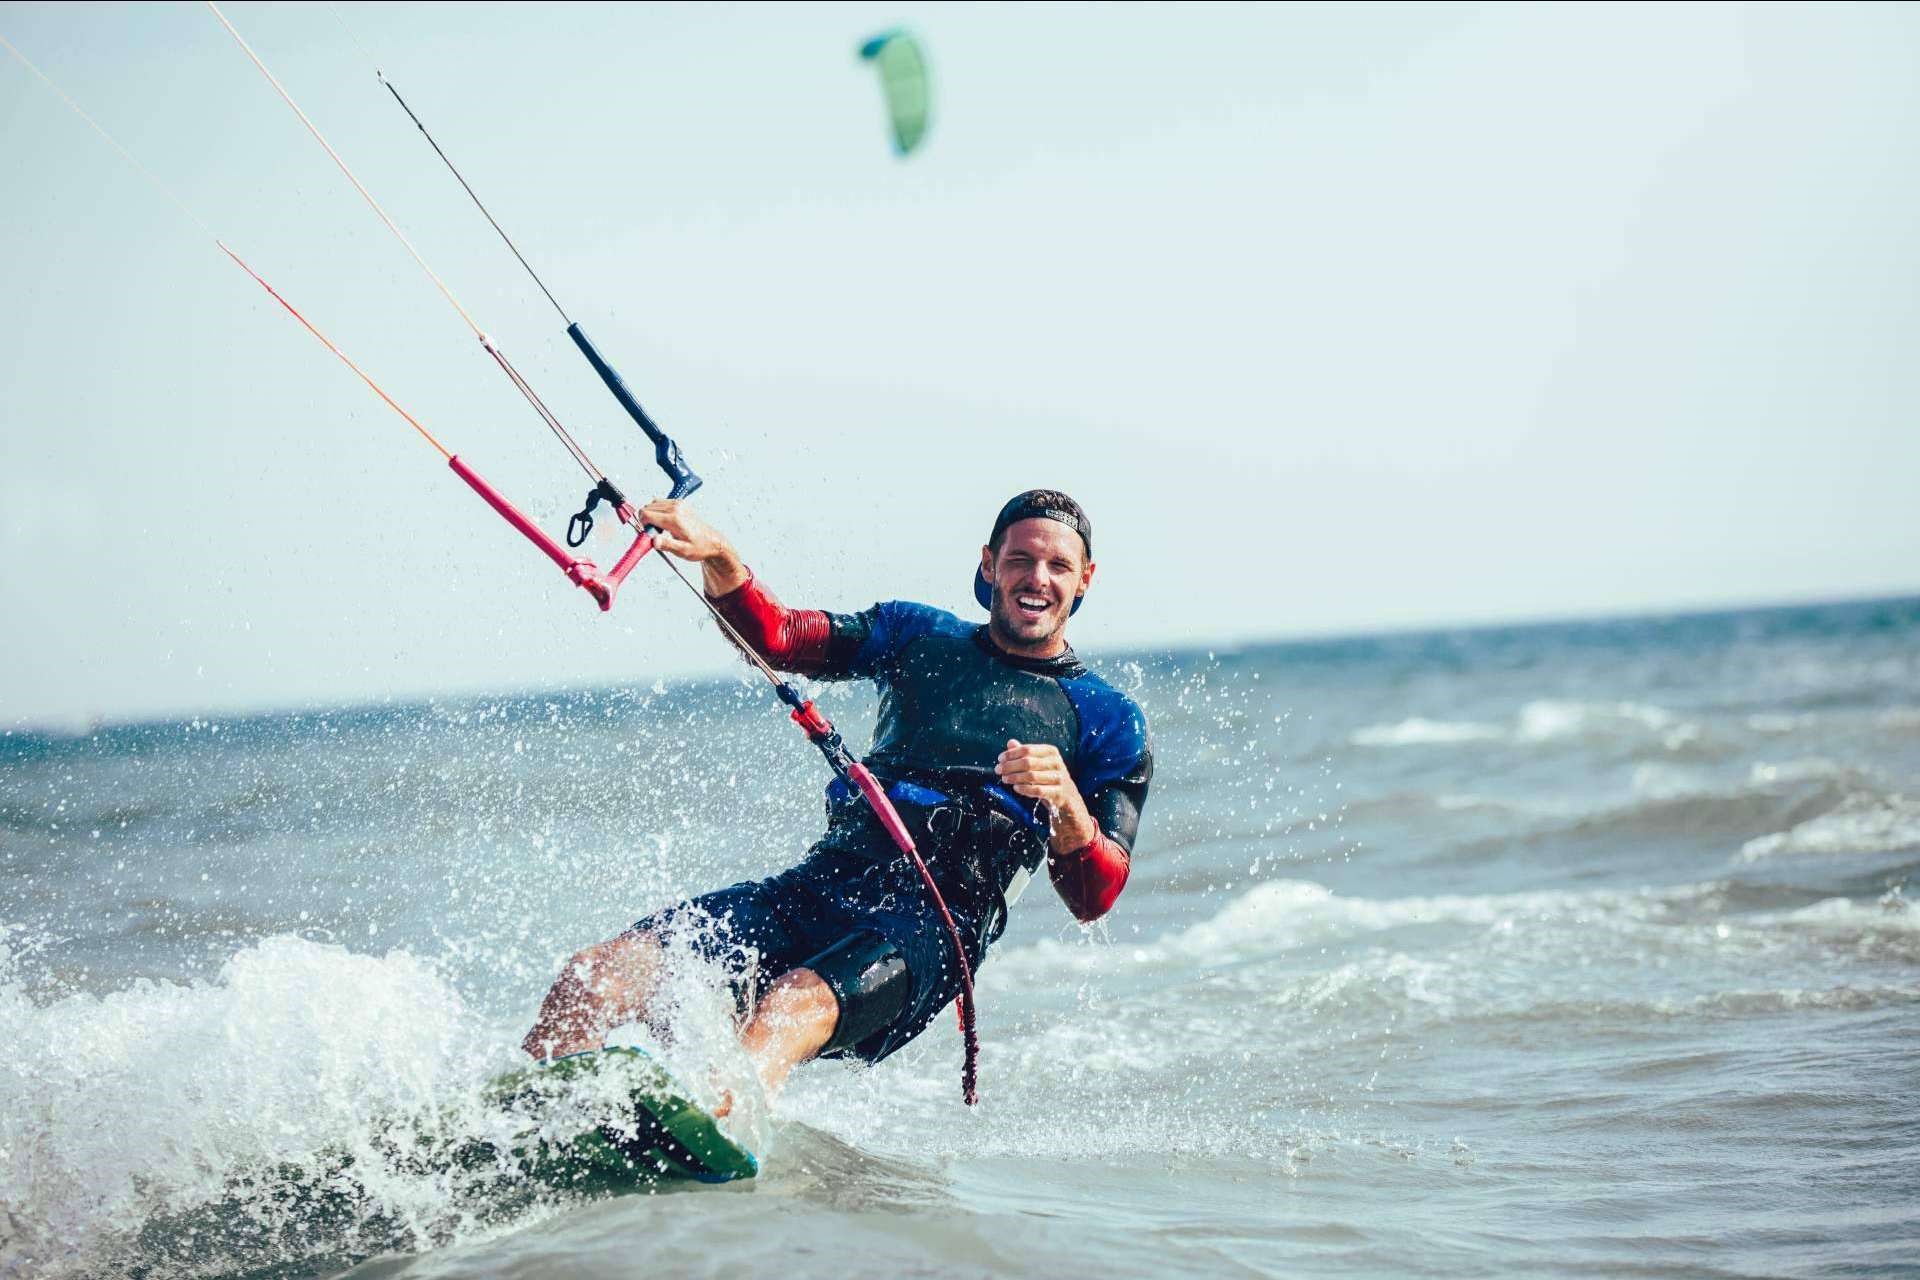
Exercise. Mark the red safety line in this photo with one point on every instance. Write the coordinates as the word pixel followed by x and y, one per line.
pixel 553 424
pixel 344 359
pixel 889 816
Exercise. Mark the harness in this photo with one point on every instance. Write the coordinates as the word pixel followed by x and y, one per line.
pixel 982 841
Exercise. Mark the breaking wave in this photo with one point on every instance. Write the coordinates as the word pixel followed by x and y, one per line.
pixel 1863 823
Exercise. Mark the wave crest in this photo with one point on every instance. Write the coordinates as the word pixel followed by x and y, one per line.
pixel 1863 823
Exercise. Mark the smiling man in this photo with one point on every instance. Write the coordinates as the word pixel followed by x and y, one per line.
pixel 999 748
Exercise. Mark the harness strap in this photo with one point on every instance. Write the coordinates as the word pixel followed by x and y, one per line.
pixel 907 791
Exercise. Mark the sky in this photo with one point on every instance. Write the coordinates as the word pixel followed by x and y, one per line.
pixel 1335 318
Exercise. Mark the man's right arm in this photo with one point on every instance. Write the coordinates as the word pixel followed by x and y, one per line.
pixel 808 641
pixel 799 640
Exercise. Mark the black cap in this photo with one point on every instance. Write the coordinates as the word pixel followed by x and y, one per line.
pixel 1035 504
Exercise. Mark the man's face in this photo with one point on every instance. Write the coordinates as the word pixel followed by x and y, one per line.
pixel 1040 569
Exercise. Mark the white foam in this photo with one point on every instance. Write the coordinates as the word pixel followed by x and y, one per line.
pixel 1418 731
pixel 1806 769
pixel 1862 823
pixel 1278 915
pixel 147 1100
pixel 152 1101
pixel 1892 914
pixel 1220 994
pixel 1548 719
pixel 1542 720
pixel 1468 802
pixel 1659 781
pixel 1776 722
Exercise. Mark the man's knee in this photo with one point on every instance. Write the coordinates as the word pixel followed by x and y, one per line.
pixel 798 995
pixel 619 970
pixel 627 962
pixel 793 1019
pixel 599 985
pixel 867 980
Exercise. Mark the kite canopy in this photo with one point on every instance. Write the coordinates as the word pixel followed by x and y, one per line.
pixel 903 78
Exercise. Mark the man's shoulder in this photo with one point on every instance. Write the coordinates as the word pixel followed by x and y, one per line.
pixel 909 617
pixel 1106 714
pixel 1095 687
pixel 927 614
pixel 892 624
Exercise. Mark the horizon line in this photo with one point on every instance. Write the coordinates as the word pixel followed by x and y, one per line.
pixel 80 727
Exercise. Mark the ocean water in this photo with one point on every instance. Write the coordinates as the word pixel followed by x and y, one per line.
pixel 1585 949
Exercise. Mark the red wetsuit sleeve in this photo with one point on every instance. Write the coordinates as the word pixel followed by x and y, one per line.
pixel 791 639
pixel 1090 878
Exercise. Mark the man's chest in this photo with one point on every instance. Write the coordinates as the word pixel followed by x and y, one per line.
pixel 945 698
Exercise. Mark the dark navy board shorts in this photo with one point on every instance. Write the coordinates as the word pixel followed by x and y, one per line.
pixel 757 930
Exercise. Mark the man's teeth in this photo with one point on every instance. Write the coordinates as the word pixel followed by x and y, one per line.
pixel 1030 602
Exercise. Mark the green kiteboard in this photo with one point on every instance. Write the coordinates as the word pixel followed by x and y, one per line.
pixel 654 1130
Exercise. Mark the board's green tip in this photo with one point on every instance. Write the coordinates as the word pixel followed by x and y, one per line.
pixel 662 1133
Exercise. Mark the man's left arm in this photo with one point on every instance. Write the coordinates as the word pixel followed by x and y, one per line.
pixel 1090 852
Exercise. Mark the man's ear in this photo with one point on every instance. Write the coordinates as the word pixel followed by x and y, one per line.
pixel 1086 578
pixel 986 563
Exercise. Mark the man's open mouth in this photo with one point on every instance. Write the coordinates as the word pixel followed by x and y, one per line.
pixel 1030 606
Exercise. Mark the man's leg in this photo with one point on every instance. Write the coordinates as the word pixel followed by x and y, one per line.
pixel 793 1022
pixel 835 1001
pixel 600 988
pixel 734 929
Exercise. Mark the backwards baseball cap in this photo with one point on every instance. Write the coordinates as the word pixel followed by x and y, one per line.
pixel 1035 504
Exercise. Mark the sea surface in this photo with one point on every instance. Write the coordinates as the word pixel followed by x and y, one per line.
pixel 1586 949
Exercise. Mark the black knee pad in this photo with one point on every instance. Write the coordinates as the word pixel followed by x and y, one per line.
pixel 869 978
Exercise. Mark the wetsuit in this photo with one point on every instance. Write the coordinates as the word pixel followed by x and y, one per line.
pixel 854 910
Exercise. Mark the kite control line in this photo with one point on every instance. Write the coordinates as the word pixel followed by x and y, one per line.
pixel 818 728
pixel 820 731
pixel 822 734
pixel 812 721
pixel 665 452
pixel 582 572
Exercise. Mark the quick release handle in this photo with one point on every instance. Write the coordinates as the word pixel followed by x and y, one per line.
pixel 665 451
pixel 816 725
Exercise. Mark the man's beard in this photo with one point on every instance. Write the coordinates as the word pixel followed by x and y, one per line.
pixel 1045 627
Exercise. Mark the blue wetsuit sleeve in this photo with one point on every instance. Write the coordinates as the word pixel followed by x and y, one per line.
pixel 862 645
pixel 1113 765
pixel 1116 806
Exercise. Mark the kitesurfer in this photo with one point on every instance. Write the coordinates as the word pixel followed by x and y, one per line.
pixel 998 747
